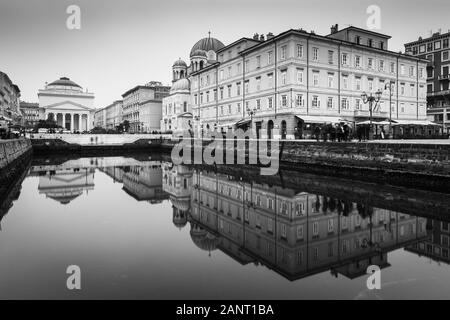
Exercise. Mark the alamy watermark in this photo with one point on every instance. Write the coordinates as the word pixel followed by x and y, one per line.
pixel 73 21
pixel 231 148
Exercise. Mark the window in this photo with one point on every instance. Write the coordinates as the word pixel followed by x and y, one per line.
pixel 392 67
pixel 283 52
pixel 238 66
pixel 358 84
pixel 283 77
pixel 315 56
pixel 330 225
pixel 370 63
pixel 357 61
pixel 330 56
pixel 246 86
pixel 315 228
pixel 381 45
pixel 422 48
pixel 402 89
pixel 284 100
pixel 330 80
pixel 229 112
pixel 221 93
pixel 283 230
pixel 270 82
pixel 238 88
pixel 258 62
pixel 300 232
pixel 229 91
pixel 316 78
pixel 412 90
pixel 421 73
pixel 370 42
pixel 258 104
pixel 330 103
pixel 411 71
pixel 381 65
pixel 239 108
pixel 299 51
pixel 220 76
pixel 345 81
pixel 370 84
pixel 437 45
pixel 246 65
pixel 299 100
pixel 315 102
pixel 445 55
pixel 357 39
pixel 300 76
pixel 269 57
pixel 344 104
pixel 270 104
pixel 344 59
pixel 358 104
pixel 429 47
pixel 445 43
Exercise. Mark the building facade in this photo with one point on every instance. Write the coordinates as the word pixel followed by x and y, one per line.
pixel 31 113
pixel 65 102
pixel 436 50
pixel 100 118
pixel 9 100
pixel 142 107
pixel 284 86
pixel 114 115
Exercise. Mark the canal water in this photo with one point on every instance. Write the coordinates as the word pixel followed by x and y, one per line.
pixel 140 227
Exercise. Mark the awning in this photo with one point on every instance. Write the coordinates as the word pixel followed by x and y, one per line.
pixel 228 124
pixel 414 123
pixel 243 122
pixel 378 123
pixel 320 119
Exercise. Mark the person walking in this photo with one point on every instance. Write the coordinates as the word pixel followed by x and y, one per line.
pixel 317 131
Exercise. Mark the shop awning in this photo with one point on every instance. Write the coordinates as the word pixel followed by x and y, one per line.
pixel 378 123
pixel 320 119
pixel 243 122
pixel 227 124
pixel 397 122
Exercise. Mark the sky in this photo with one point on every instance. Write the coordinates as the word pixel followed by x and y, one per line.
pixel 122 44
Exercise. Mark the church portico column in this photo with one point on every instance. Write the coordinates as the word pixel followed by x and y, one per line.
pixel 72 122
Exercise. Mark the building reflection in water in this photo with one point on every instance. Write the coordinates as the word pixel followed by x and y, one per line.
pixel 294 234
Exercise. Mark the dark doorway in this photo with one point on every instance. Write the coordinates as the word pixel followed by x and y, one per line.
pixel 269 129
pixel 283 129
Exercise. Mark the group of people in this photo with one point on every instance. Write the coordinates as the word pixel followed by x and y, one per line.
pixel 333 132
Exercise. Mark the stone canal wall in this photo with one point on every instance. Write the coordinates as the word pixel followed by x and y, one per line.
pixel 11 150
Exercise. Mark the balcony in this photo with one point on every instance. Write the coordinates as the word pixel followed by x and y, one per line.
pixel 438 93
pixel 444 77
pixel 375 114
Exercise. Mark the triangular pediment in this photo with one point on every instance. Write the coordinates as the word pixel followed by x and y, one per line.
pixel 67 105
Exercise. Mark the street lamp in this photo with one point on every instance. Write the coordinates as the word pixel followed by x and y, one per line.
pixel 389 86
pixel 371 99
pixel 251 112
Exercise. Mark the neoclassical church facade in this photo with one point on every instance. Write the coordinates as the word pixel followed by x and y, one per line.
pixel 178 116
pixel 65 102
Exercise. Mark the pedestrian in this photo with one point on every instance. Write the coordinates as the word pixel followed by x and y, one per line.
pixel 317 131
pixel 382 133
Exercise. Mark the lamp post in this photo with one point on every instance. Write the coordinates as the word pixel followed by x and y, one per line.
pixel 371 99
pixel 389 84
pixel 251 112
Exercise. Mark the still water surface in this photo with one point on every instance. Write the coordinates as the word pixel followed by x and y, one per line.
pixel 146 229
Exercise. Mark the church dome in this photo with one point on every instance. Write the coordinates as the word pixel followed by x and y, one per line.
pixel 203 239
pixel 64 82
pixel 207 44
pixel 179 63
pixel 180 85
pixel 198 53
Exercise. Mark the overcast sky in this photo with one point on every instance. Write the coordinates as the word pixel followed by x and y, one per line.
pixel 125 43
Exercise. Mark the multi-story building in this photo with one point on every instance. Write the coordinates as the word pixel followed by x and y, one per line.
pixel 283 86
pixel 142 106
pixel 437 247
pixel 31 113
pixel 100 118
pixel 9 100
pixel 436 50
pixel 65 102
pixel 114 114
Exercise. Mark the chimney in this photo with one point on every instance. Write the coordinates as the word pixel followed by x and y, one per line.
pixel 261 37
pixel 255 36
pixel 334 28
pixel 269 36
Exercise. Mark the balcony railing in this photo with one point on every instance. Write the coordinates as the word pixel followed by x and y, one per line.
pixel 444 77
pixel 438 93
